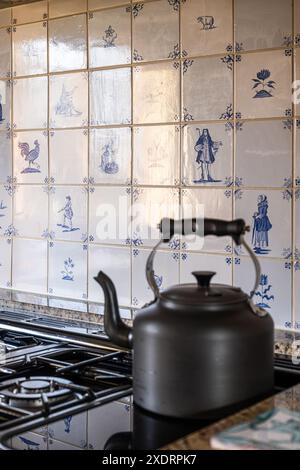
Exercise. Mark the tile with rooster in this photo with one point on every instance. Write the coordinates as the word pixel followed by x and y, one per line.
pixel 36 11
pixel 219 264
pixel 30 160
pixel 31 95
pixel 5 53
pixel 30 211
pixel 5 156
pixel 5 210
pixel 66 7
pixel 29 49
pixel 24 253
pixel 5 105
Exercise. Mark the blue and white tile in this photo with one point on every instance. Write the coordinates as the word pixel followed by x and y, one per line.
pixel 68 270
pixel 297 226
pixel 155 32
pixel 110 97
pixel 115 262
pixel 71 430
pixel 219 264
pixel 36 11
pixel 297 77
pixel 297 292
pixel 110 37
pixel 5 105
pixel 264 153
pixel 156 93
pixel 166 271
pixel 156 157
pixel 24 252
pixel 66 7
pixel 150 205
pixel 206 26
pixel 263 84
pixel 114 417
pixel 297 153
pixel 30 49
pixel 213 203
pixel 67 43
pixel 30 94
pixel 68 213
pixel 5 211
pixel 5 17
pixel 5 262
pixel 69 100
pixel 30 156
pixel 73 145
pixel 269 213
pixel 109 215
pixel 274 292
pixel 5 53
pixel 208 98
pixel 30 211
pixel 29 441
pixel 110 155
pixel 255 21
pixel 5 156
pixel 207 169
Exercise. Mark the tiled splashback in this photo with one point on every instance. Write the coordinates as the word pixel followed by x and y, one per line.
pixel 168 102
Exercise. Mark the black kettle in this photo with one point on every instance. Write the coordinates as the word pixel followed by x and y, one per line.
pixel 198 348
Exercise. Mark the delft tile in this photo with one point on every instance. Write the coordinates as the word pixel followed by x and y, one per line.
pixel 110 155
pixel 5 53
pixel 297 227
pixel 156 155
pixel 255 20
pixel 64 304
pixel 114 418
pixel 150 205
pixel 30 211
pixel 206 26
pixel 297 77
pixel 68 213
pixel 156 93
pixel 69 100
pixel 97 4
pixel 274 292
pixel 67 270
pixel 5 263
pixel 297 21
pixel 211 97
pixel 210 167
pixel 5 211
pixel 110 97
pixel 263 84
pixel 73 145
pixel 30 49
pixel 214 203
pixel 115 262
pixel 72 430
pixel 5 156
pixel 5 105
pixel 166 274
pixel 156 32
pixel 110 37
pixel 24 279
pixel 66 7
pixel 30 94
pixel 67 43
pixel 297 164
pixel 29 441
pixel 5 17
pixel 30 156
pixel 269 215
pixel 264 153
pixel 37 11
pixel 297 295
pixel 199 262
pixel 109 215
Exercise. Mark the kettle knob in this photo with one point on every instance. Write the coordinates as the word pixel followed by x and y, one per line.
pixel 204 278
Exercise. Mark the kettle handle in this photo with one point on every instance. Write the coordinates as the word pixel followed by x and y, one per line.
pixel 202 227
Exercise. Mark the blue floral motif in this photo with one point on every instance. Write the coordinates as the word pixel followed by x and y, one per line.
pixel 174 244
pixel 11 231
pixel 187 116
pixel 67 422
pixel 10 185
pixel 184 256
pixel 297 39
pixel 186 64
pixel 109 37
pixel 287 195
pixel 239 125
pixel 228 60
pixel 67 273
pixel 287 253
pixel 175 54
pixel 263 292
pixel 228 114
pixel 136 9
pixel 238 194
pixel 175 256
pixel 137 57
pixel 48 235
pixel 239 47
pixel 288 124
pixel 176 3
pixel 265 87
pixel 297 194
pixel 228 261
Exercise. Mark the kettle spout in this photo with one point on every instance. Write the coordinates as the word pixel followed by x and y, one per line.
pixel 117 331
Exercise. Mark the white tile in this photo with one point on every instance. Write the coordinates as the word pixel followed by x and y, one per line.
pixel 297 77
pixel 297 225
pixel 32 280
pixel 110 37
pixel 31 94
pixel 115 262
pixel 5 210
pixel 297 165
pixel 263 84
pixel 110 97
pixel 264 153
pixel 30 49
pixel 5 262
pixel 72 144
pixel 5 105
pixel 67 43
pixel 5 156
pixel 30 211
pixel 66 7
pixel 209 97
pixel 68 270
pixel 261 25
pixel 206 26
pixel 36 11
pixel 28 298
pixel 29 441
pixel 297 293
pixel 30 156
pixel 5 17
pixel 69 100
pixel 98 309
pixel 207 154
pixel 64 304
pixel 297 20
pixel 221 265
pixel 95 4
pixel 156 155
pixel 156 32
pixel 72 430
pixel 5 53
pixel 156 93
pixel 110 155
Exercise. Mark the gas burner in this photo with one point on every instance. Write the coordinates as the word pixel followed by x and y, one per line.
pixel 35 392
